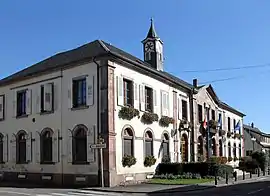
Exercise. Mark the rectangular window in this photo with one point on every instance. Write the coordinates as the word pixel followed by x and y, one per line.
pixel 21 103
pixel 229 124
pixel 148 99
pixel 184 110
pixel 200 114
pixel 213 114
pixel 234 123
pixel 128 92
pixel 79 92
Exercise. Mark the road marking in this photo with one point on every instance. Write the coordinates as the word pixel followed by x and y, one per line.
pixel 252 192
pixel 16 193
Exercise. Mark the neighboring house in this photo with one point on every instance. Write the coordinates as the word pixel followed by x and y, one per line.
pixel 227 141
pixel 51 113
pixel 255 140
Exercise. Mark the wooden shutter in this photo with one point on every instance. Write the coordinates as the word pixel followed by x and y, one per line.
pixel 155 101
pixel 136 96
pixel 69 147
pixel 142 97
pixel 28 101
pixel 55 145
pixel 38 100
pixel 120 90
pixel 90 90
pixel 90 140
pixel 168 104
pixel 13 151
pixel 29 147
pixel 70 95
pixel 37 148
pixel 48 97
pixel 2 107
pixel 179 108
pixel 5 148
pixel 15 104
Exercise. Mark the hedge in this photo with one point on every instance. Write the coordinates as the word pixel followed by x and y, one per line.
pixel 202 168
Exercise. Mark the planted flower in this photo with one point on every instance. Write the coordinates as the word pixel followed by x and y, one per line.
pixel 128 161
pixel 184 124
pixel 165 121
pixel 213 124
pixel 149 161
pixel 128 113
pixel 237 135
pixel 149 118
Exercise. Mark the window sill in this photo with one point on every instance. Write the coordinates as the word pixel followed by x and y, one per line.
pixel 46 112
pixel 80 107
pixel 80 163
pixel 22 116
pixel 47 163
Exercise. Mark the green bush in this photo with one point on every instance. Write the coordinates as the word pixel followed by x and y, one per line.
pixel 128 161
pixel 149 161
pixel 248 164
pixel 202 168
pixel 260 158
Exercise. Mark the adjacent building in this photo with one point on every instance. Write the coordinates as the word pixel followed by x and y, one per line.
pixel 53 111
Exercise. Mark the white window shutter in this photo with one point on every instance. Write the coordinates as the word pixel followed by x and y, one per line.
pixel 120 90
pixel 142 97
pixel 179 108
pixel 155 101
pixel 55 97
pixel 90 90
pixel 5 148
pixel 13 151
pixel 28 101
pixel 69 147
pixel 2 107
pixel 55 145
pixel 38 100
pixel 136 96
pixel 37 148
pixel 69 95
pixel 29 147
pixel 15 104
pixel 90 140
pixel 168 104
pixel 48 97
pixel 164 104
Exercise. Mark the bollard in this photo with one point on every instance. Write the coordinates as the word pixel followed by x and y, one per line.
pixel 264 172
pixel 215 178
pixel 227 177
pixel 235 176
pixel 244 175
pixel 268 171
pixel 250 174
pixel 258 172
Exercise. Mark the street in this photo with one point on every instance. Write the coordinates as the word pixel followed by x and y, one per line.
pixel 258 188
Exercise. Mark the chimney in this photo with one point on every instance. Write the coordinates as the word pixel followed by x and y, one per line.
pixel 195 83
pixel 252 125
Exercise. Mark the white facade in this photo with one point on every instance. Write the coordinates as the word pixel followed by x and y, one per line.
pixel 62 119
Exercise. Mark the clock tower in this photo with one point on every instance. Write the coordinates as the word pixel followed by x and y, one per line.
pixel 153 49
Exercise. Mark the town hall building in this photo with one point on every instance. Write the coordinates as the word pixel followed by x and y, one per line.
pixel 52 112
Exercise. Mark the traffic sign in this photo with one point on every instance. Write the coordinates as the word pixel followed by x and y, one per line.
pixel 98 146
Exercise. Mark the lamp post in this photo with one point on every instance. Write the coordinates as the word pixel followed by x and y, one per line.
pixel 253 139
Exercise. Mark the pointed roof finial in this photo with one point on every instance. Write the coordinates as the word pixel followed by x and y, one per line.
pixel 152 32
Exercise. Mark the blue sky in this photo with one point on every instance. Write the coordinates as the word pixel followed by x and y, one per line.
pixel 197 35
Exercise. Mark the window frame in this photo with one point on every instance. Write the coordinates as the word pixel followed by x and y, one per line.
pixel 184 104
pixel 2 137
pixel 18 148
pixel 200 113
pixel 151 140
pixel 42 103
pixel 42 160
pixel 3 107
pixel 75 92
pixel 21 114
pixel 130 138
pixel 75 160
pixel 151 97
pixel 125 97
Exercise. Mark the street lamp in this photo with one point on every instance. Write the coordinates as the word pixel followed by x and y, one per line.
pixel 253 139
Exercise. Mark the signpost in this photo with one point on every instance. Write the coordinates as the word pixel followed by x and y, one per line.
pixel 100 145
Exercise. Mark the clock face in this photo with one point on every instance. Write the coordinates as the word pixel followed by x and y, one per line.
pixel 149 46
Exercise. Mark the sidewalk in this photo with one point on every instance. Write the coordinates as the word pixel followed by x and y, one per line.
pixel 158 188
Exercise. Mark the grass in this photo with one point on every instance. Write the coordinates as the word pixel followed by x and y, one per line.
pixel 179 181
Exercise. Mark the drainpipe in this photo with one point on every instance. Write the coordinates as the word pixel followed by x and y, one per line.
pixel 192 146
pixel 98 112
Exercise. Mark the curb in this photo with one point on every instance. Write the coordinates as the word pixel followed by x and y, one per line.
pixel 154 192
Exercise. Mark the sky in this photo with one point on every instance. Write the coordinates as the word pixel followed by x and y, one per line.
pixel 197 35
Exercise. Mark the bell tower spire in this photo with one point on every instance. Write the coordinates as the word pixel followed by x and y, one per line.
pixel 153 48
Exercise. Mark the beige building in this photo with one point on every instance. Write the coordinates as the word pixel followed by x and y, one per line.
pixel 53 111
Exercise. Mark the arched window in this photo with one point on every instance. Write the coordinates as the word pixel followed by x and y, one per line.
pixel 234 150
pixel 46 146
pixel 148 139
pixel 1 148
pixel 229 150
pixel 184 148
pixel 79 145
pixel 21 147
pixel 240 151
pixel 165 145
pixel 220 148
pixel 200 148
pixel 128 142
